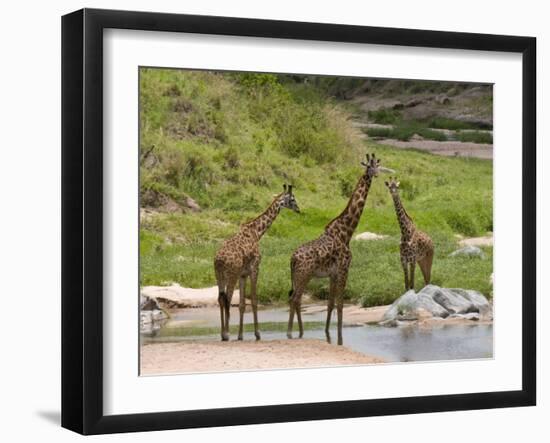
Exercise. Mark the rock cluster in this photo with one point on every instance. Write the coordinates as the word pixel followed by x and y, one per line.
pixel 151 316
pixel 436 302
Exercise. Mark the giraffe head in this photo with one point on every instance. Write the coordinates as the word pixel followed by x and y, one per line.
pixel 288 200
pixel 372 166
pixel 392 185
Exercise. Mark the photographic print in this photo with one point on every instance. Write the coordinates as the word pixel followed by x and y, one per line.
pixel 301 221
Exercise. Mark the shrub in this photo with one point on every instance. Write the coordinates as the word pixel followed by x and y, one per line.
pixel 379 132
pixel 384 116
pixel 475 137
pixel 462 222
pixel 306 130
pixel 455 125
pixel 405 130
pixel 347 181
pixel 408 189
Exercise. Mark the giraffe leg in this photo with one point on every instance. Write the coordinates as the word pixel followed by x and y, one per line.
pixel 300 279
pixel 227 307
pixel 340 304
pixel 298 307
pixel 221 302
pixel 405 272
pixel 295 296
pixel 340 310
pixel 254 301
pixel 426 267
pixel 330 306
pixel 422 266
pixel 411 279
pixel 242 305
pixel 291 309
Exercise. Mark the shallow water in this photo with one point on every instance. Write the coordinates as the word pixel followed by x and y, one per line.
pixel 399 344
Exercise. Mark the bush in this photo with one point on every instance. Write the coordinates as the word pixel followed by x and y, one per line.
pixel 347 181
pixel 462 223
pixel 475 137
pixel 452 124
pixel 408 189
pixel 379 132
pixel 384 116
pixel 405 130
pixel 309 130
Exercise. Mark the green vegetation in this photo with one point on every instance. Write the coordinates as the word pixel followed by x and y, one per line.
pixel 230 141
pixel 385 116
pixel 403 129
pixel 454 125
pixel 196 331
pixel 475 137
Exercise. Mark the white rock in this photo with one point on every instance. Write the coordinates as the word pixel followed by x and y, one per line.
pixel 477 241
pixel 369 236
pixel 150 322
pixel 469 251
pixel 175 296
pixel 426 301
pixel 453 302
pixel 147 303
pixel 403 305
pixel 435 302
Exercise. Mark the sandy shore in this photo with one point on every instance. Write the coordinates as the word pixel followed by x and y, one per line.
pixel 353 314
pixel 211 356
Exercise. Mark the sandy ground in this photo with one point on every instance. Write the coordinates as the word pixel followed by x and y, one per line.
pixel 213 356
pixel 176 296
pixel 353 314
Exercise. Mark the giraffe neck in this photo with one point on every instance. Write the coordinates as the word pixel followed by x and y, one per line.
pixel 344 225
pixel 262 223
pixel 405 222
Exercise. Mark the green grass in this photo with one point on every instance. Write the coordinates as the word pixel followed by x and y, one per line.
pixel 238 150
pixel 452 124
pixel 475 137
pixel 385 116
pixel 196 331
pixel 405 130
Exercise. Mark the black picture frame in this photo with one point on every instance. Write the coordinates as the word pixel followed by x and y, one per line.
pixel 82 218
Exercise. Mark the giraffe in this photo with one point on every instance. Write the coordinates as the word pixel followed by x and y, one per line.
pixel 239 259
pixel 330 255
pixel 416 246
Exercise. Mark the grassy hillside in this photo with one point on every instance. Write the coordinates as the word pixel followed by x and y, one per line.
pixel 230 141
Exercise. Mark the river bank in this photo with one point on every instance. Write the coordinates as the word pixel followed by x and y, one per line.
pixel 215 356
pixel 188 341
